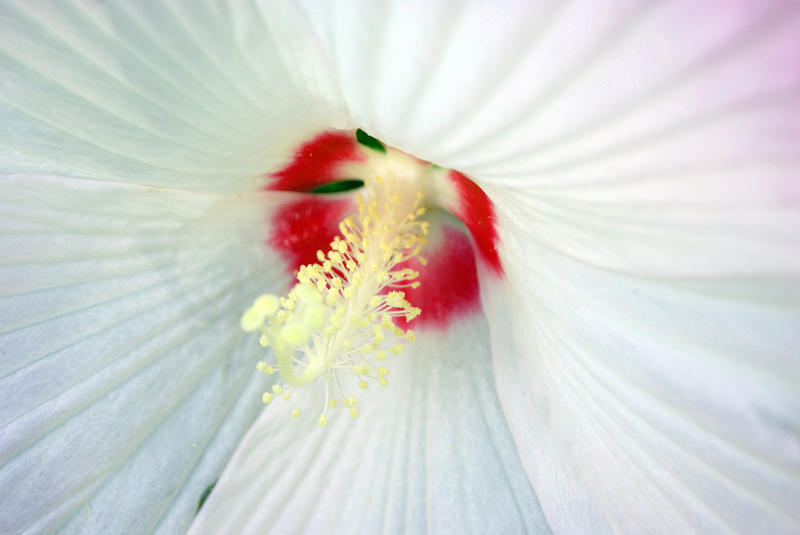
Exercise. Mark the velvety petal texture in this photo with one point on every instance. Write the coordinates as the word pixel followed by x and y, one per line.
pixel 643 161
pixel 429 453
pixel 135 141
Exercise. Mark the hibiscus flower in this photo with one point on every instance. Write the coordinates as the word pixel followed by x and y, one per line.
pixel 609 315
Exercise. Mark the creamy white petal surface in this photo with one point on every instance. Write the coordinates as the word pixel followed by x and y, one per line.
pixel 135 137
pixel 431 452
pixel 120 354
pixel 643 158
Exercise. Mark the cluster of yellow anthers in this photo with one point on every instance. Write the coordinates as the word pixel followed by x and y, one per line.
pixel 336 325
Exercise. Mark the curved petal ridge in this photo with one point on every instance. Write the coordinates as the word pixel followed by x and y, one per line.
pixel 428 454
pixel 683 389
pixel 142 97
pixel 169 441
pixel 103 371
pixel 756 41
pixel 412 99
pixel 76 29
pixel 123 366
pixel 669 237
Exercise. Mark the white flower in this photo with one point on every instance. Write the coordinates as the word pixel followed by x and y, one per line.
pixel 634 370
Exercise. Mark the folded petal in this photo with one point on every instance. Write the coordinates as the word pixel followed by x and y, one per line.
pixel 431 452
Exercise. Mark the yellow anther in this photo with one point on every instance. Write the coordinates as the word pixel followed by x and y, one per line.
pixel 266 305
pixel 410 336
pixel 342 309
pixel 251 320
pixel 266 368
pixel 264 340
pixel 288 304
pixel 267 397
pixel 396 299
pixel 323 421
pixel 307 294
pixel 287 396
pixel 296 413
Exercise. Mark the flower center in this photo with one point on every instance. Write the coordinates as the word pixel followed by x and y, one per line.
pixel 336 326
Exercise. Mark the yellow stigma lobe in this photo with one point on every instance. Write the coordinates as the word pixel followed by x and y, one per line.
pixel 336 325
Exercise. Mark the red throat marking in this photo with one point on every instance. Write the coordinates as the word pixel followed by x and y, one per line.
pixel 317 162
pixel 476 211
pixel 448 283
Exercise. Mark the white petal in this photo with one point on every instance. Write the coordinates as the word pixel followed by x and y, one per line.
pixel 643 160
pixel 180 94
pixel 125 382
pixel 649 404
pixel 530 91
pixel 430 453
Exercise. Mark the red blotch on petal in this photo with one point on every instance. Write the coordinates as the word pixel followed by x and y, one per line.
pixel 476 211
pixel 301 228
pixel 317 162
pixel 448 283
